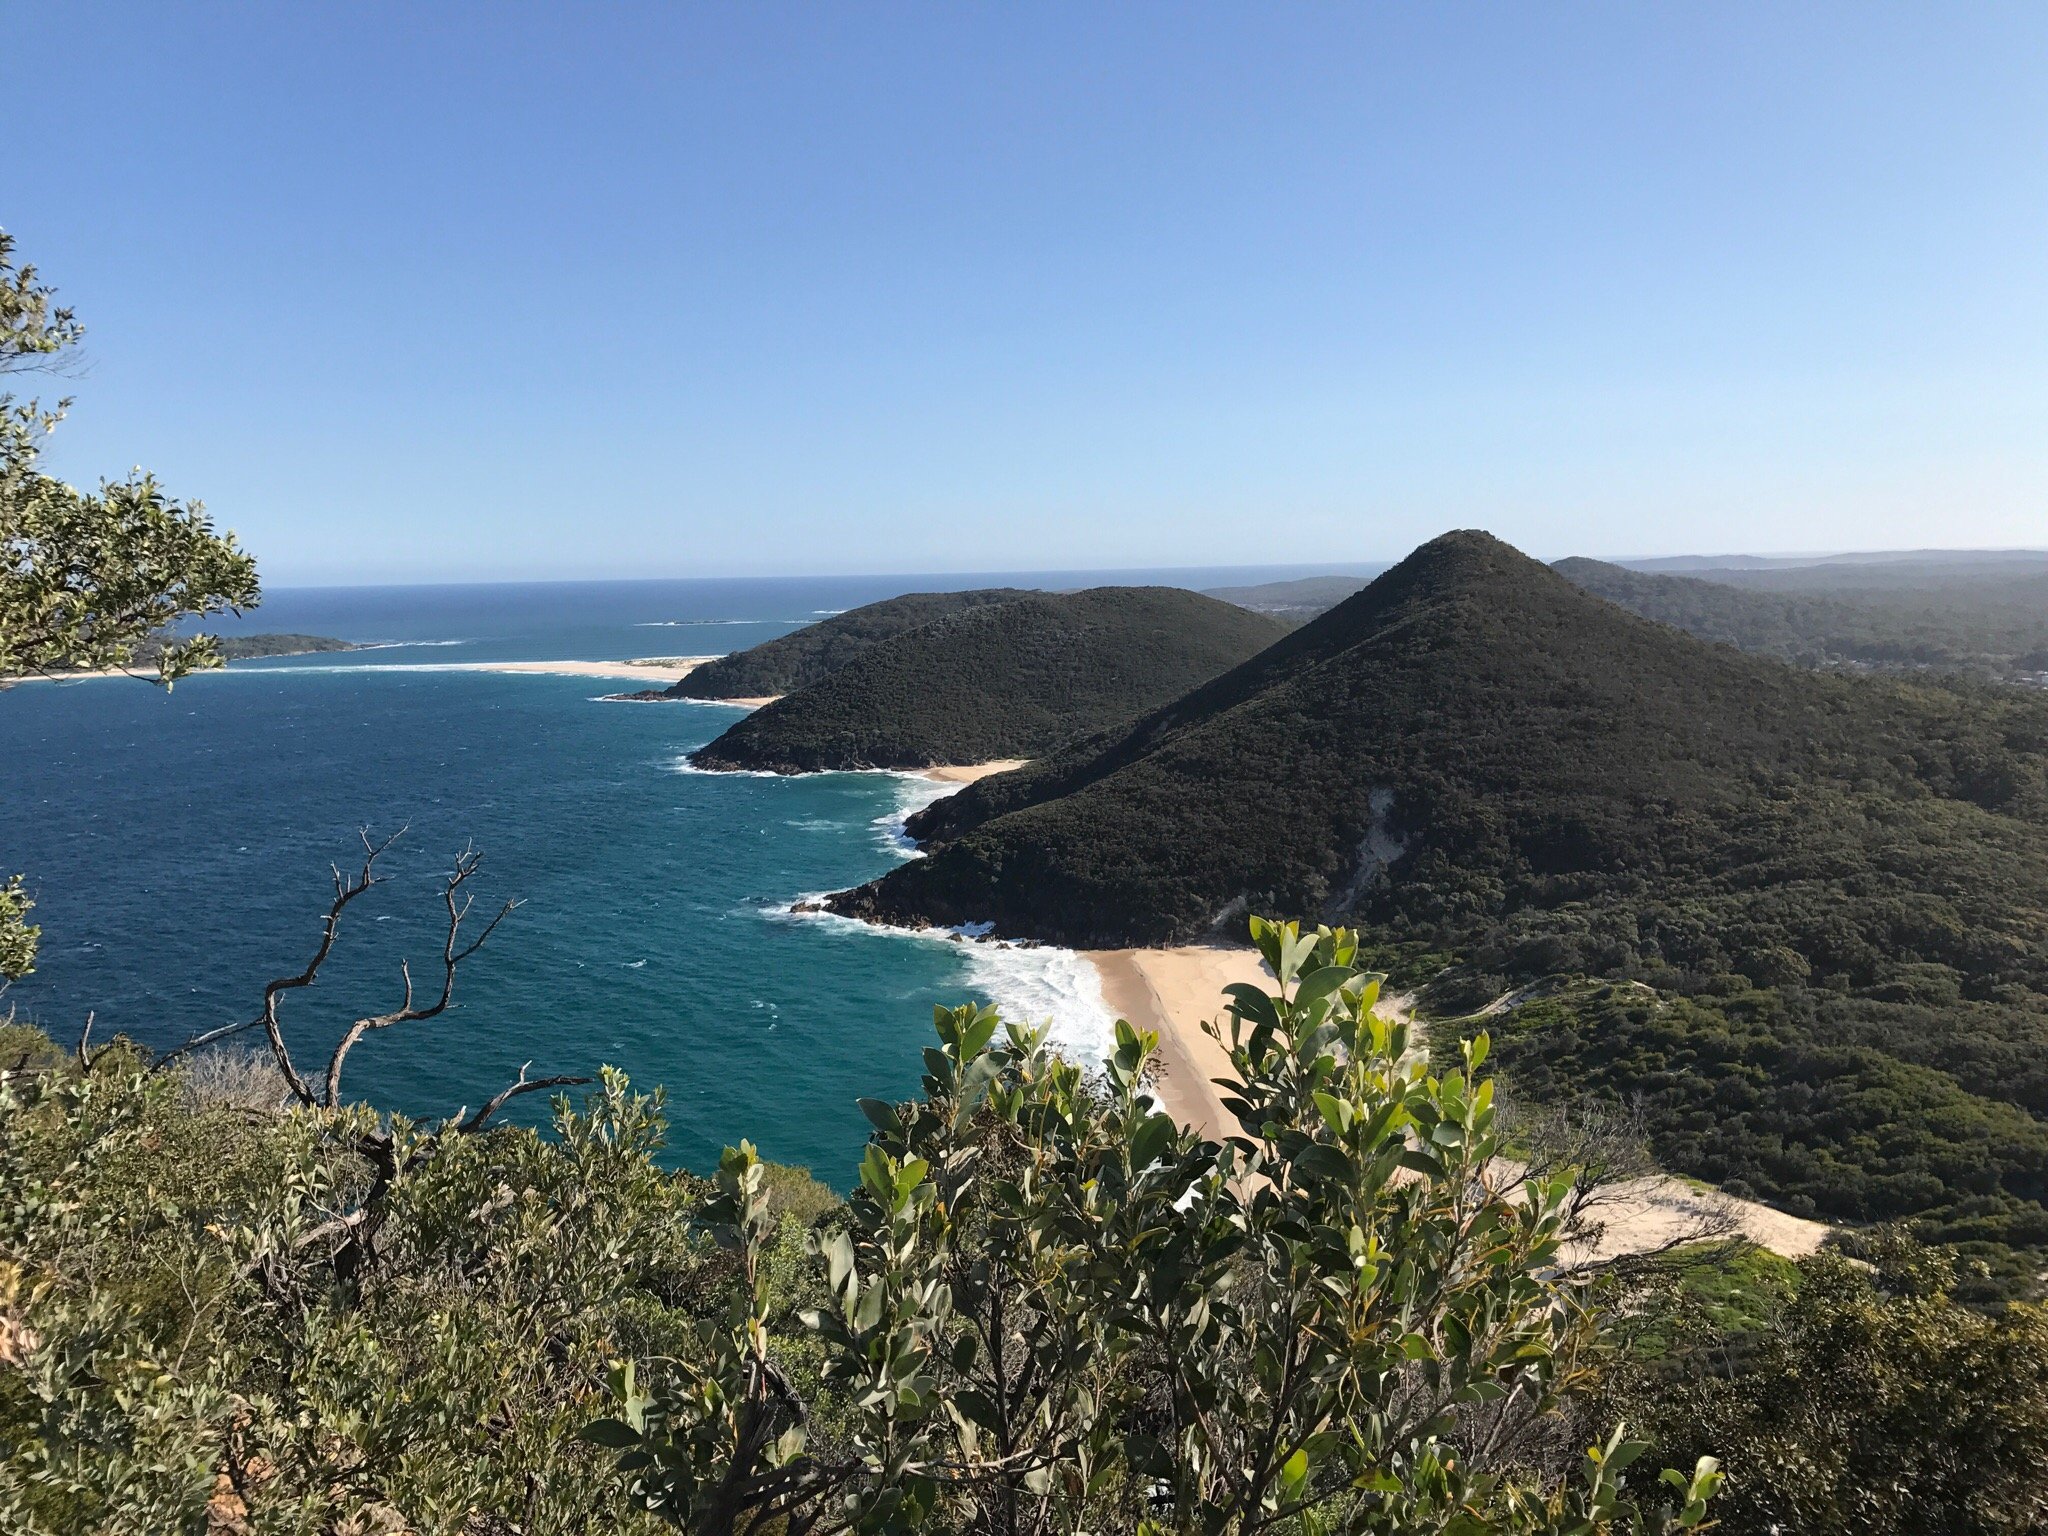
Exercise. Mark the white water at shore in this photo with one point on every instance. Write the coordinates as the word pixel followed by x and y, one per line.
pixel 1037 984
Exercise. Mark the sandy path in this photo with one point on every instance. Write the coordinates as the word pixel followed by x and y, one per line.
pixel 1173 991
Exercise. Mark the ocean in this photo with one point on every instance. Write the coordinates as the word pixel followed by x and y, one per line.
pixel 179 850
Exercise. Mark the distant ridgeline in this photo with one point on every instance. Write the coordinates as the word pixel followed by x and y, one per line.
pixel 1837 885
pixel 1983 616
pixel 1989 621
pixel 996 680
pixel 802 657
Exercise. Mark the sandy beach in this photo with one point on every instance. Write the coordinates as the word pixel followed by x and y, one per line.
pixel 1174 991
pixel 967 773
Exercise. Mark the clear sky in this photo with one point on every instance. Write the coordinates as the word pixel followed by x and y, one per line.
pixel 440 292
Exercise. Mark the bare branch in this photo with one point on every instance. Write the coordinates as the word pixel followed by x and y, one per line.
pixel 346 890
pixel 523 1085
pixel 453 953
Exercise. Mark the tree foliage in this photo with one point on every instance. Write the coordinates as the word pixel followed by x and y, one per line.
pixel 802 657
pixel 1867 1402
pixel 89 579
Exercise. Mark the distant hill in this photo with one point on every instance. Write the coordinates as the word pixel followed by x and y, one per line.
pixel 247 647
pixel 1838 884
pixel 1003 680
pixel 1299 600
pixel 800 658
pixel 1896 614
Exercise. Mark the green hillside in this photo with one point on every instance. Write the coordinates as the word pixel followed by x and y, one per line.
pixel 802 657
pixel 1005 680
pixel 1836 885
pixel 1894 616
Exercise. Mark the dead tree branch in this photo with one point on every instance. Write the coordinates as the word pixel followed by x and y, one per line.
pixel 453 953
pixel 346 889
pixel 352 1234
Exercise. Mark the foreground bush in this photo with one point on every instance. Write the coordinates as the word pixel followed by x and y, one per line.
pixel 1045 1308
pixel 1052 1310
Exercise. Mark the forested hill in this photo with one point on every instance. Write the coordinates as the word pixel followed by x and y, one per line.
pixel 803 656
pixel 1993 625
pixel 1014 679
pixel 1839 884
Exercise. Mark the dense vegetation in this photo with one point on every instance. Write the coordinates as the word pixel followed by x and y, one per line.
pixel 802 657
pixel 1833 889
pixel 1853 1395
pixel 1894 616
pixel 1045 1309
pixel 1986 617
pixel 1005 680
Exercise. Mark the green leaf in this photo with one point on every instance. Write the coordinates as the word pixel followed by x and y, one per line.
pixel 881 1114
pixel 1150 1139
pixel 1320 1160
pixel 613 1434
pixel 1318 985
pixel 1253 1003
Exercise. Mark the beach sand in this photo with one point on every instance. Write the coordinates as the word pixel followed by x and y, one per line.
pixel 1174 991
pixel 967 773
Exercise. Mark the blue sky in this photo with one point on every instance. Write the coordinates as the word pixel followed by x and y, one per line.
pixel 445 292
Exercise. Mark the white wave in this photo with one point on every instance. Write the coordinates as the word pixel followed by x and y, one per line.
pixel 713 623
pixel 916 792
pixel 1045 985
pixel 826 613
pixel 405 645
pixel 682 764
pixel 1037 984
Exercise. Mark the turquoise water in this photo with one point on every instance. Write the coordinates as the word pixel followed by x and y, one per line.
pixel 179 850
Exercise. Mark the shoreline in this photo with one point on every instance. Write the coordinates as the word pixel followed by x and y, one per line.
pixel 667 669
